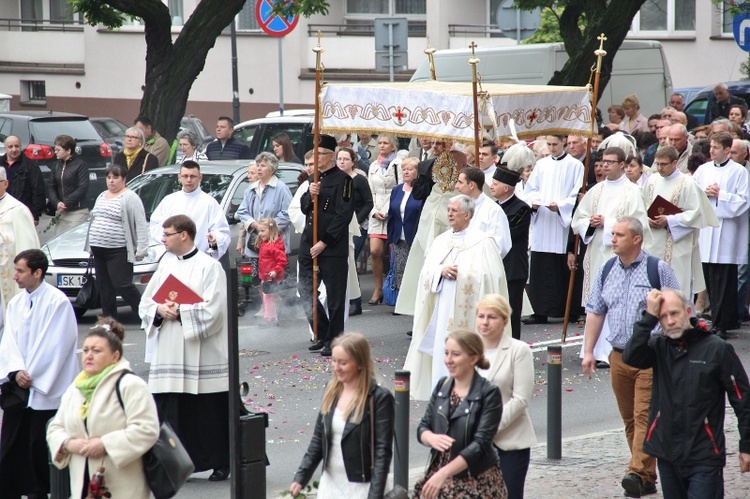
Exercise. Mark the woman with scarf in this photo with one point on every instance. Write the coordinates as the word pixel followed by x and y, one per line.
pixel 91 430
pixel 133 156
pixel 384 175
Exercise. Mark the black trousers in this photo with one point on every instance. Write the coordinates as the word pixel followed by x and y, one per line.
pixel 514 465
pixel 548 284
pixel 721 281
pixel 24 457
pixel 334 273
pixel 515 299
pixel 114 275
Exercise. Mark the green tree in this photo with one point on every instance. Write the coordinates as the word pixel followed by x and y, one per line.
pixel 172 67
pixel 580 22
pixel 549 28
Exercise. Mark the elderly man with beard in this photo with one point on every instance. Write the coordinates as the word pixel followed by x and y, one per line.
pixel 693 370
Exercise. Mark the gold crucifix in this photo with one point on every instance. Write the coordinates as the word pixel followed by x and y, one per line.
pixel 430 51
pixel 318 49
pixel 600 52
pixel 474 60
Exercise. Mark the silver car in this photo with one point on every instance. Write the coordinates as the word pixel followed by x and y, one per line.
pixel 226 181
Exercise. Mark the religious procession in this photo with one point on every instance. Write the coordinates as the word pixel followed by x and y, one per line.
pixel 512 206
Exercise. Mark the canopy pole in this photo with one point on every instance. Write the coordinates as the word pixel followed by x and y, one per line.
pixel 318 49
pixel 600 53
pixel 473 61
pixel 430 51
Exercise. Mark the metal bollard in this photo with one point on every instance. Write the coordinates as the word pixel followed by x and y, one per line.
pixel 401 430
pixel 554 402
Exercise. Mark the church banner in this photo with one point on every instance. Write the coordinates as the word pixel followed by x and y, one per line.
pixel 445 110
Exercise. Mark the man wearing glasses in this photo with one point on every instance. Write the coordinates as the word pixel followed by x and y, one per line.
pixel 186 345
pixel 594 219
pixel 212 236
pixel 675 235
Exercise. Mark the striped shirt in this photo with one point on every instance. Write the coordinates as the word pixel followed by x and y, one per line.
pixel 106 229
pixel 623 296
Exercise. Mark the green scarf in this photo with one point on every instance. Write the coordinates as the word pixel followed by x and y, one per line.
pixel 87 384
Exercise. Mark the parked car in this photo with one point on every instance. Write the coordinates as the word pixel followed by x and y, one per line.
pixel 37 131
pixel 688 93
pixel 226 181
pixel 195 125
pixel 111 130
pixel 700 105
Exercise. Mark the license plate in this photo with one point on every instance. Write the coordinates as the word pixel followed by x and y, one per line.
pixel 92 175
pixel 70 281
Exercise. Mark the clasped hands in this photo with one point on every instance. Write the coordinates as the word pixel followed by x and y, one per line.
pixel 86 447
pixel 169 310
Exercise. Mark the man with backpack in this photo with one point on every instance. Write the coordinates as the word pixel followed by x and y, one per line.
pixel 618 296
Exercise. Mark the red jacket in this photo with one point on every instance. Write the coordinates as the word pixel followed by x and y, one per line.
pixel 272 257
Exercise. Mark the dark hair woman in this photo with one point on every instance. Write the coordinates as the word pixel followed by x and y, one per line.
pixel 68 185
pixel 284 149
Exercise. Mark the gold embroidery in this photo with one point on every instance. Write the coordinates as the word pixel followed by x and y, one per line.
pixel 445 172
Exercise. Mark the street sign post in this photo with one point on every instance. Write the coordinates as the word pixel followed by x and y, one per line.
pixel 278 27
pixel 741 29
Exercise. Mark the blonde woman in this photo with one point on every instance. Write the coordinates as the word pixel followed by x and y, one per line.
pixel 384 175
pixel 633 119
pixel 512 371
pixel 353 468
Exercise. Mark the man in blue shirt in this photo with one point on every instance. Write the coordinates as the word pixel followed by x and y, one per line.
pixel 619 298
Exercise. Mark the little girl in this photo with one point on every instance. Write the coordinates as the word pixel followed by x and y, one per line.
pixel 271 264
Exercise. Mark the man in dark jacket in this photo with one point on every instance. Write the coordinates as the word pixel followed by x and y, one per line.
pixel 25 181
pixel 693 370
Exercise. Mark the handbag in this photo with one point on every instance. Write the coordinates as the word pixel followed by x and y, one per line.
pixel 390 291
pixel 397 492
pixel 252 233
pixel 88 296
pixel 270 287
pixel 167 465
pixel 13 396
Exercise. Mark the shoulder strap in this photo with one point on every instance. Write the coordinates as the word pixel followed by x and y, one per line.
pixel 652 268
pixel 145 161
pixel 607 267
pixel 395 171
pixel 117 389
pixel 372 433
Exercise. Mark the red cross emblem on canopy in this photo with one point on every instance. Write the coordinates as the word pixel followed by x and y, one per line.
pixel 399 115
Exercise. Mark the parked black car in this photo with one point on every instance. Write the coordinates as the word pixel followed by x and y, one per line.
pixel 37 131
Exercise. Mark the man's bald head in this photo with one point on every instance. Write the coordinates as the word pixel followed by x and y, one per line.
pixel 678 137
pixel 12 148
pixel 739 151
pixel 679 117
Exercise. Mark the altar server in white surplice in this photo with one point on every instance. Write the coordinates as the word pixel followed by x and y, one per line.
pixel 675 237
pixel 203 210
pixel 187 349
pixel 17 233
pixel 488 217
pixel 461 266
pixel 594 218
pixel 38 353
pixel 725 247
pixel 551 192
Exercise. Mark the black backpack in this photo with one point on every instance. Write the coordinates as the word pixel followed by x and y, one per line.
pixel 652 269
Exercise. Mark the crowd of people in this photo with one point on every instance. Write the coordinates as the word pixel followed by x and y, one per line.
pixel 661 219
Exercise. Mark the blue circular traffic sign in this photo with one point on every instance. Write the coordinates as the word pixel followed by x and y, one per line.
pixel 271 23
pixel 741 29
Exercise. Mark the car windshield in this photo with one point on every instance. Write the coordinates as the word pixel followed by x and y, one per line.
pixel 152 188
pixel 44 132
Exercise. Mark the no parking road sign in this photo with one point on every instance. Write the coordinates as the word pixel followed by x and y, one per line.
pixel 271 23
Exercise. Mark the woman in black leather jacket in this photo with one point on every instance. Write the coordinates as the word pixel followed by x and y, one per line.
pixel 354 431
pixel 68 185
pixel 459 424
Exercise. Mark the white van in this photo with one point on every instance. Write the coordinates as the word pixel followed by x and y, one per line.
pixel 640 68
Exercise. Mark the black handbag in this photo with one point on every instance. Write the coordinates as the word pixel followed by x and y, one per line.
pixel 88 296
pixel 252 234
pixel 270 287
pixel 167 465
pixel 13 396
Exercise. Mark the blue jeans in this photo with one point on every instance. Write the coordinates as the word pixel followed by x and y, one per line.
pixel 699 481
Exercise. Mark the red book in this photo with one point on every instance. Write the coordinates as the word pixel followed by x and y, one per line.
pixel 175 290
pixel 661 206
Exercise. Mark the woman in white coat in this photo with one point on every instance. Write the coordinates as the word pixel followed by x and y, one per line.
pixel 383 176
pixel 92 430
pixel 511 370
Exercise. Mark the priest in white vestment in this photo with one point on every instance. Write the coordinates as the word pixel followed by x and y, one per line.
pixel 461 266
pixel 551 192
pixel 17 233
pixel 674 238
pixel 488 216
pixel 725 247
pixel 37 352
pixel 594 218
pixel 213 236
pixel 436 184
pixel 187 348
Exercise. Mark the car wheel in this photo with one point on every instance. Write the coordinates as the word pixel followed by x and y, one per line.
pixel 79 312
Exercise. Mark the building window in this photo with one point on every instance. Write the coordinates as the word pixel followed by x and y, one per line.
pixel 246 20
pixel 665 16
pixel 176 12
pixel 387 7
pixel 33 92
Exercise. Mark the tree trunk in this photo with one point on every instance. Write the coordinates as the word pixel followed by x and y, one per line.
pixel 613 20
pixel 171 68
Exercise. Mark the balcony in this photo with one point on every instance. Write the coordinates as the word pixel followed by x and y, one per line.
pixel 37 36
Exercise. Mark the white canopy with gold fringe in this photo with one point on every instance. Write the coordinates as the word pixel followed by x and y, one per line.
pixel 445 109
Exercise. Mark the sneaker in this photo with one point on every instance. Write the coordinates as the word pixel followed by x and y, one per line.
pixel 648 488
pixel 632 485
